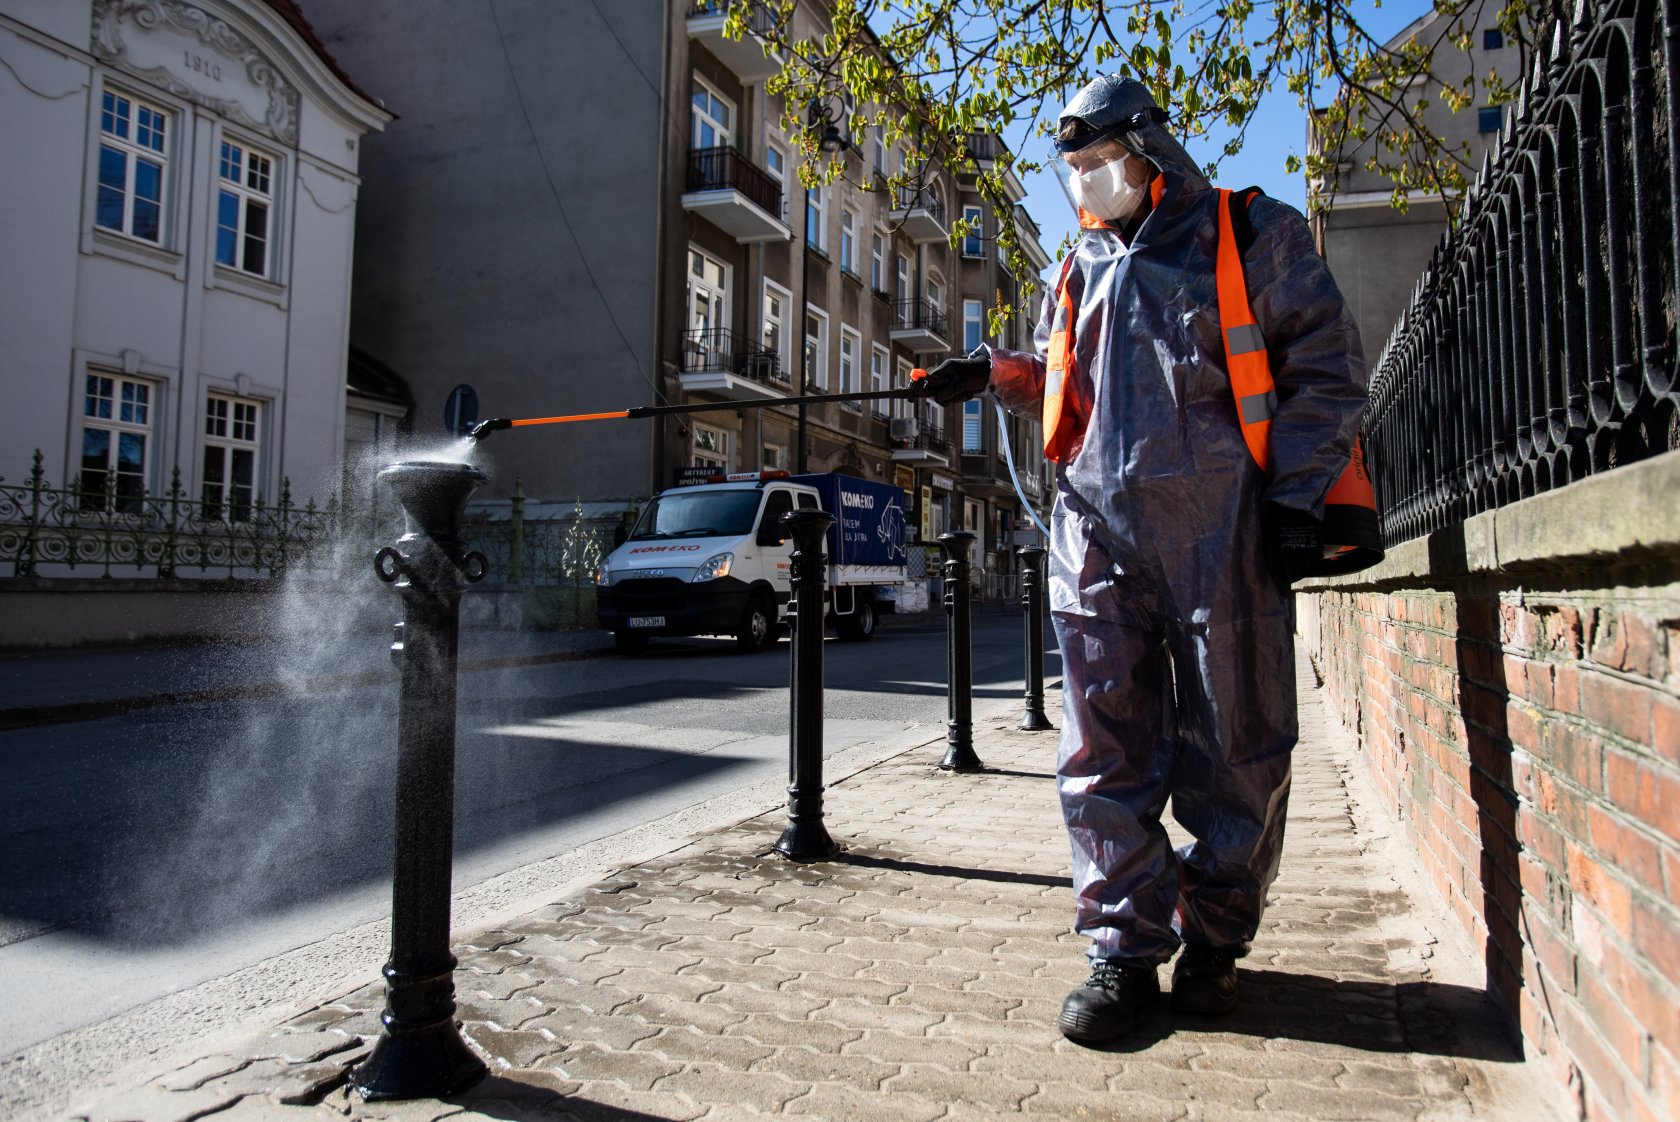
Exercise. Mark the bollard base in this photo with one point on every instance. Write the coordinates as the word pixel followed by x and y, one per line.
pixel 1034 720
pixel 429 1062
pixel 960 756
pixel 807 841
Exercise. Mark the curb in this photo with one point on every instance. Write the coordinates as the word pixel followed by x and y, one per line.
pixel 36 716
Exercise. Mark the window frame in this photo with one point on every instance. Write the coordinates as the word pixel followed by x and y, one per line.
pixel 974 244
pixel 848 240
pixel 976 320
pixel 224 508
pixel 709 457
pixel 904 276
pixel 764 320
pixel 816 363
pixel 771 145
pixel 1493 39
pixel 816 218
pixel 851 381
pixel 877 261
pixel 1482 119
pixel 246 194
pixel 696 114
pixel 132 151
pixel 117 427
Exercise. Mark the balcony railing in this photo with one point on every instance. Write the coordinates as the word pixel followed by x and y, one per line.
pixel 761 20
pixel 724 169
pixel 919 314
pixel 911 199
pixel 925 441
pixel 721 349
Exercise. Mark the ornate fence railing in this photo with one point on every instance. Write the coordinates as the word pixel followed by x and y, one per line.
pixel 72 531
pixel 80 531
pixel 1540 345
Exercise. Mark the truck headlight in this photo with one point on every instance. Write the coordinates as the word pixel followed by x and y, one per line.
pixel 714 568
pixel 603 575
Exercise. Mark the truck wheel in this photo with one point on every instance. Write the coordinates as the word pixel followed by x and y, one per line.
pixel 758 625
pixel 629 642
pixel 860 625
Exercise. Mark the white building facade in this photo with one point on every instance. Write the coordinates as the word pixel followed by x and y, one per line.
pixel 177 211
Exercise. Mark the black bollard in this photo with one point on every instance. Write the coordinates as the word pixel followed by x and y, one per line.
pixel 1032 604
pixel 959 690
pixel 420 1053
pixel 806 838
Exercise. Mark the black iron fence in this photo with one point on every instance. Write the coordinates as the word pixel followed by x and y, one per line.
pixel 725 168
pixel 80 531
pixel 909 198
pixel 1540 344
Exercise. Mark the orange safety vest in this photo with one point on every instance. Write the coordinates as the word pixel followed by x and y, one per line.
pixel 1352 531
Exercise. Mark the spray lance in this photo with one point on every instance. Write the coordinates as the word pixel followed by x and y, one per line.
pixel 917 388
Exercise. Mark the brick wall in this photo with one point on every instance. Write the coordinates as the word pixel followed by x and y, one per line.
pixel 1516 692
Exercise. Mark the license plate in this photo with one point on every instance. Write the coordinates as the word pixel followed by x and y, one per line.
pixel 647 621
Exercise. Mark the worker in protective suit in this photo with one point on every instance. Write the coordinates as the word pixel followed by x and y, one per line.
pixel 1172 550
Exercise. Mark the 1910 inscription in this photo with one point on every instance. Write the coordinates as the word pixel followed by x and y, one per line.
pixel 198 64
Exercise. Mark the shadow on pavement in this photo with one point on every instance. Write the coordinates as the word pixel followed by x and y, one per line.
pixel 512 1101
pixel 1431 1018
pixel 900 865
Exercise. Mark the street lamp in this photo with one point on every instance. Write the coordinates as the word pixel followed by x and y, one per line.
pixel 817 115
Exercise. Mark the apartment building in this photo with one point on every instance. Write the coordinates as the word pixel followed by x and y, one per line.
pixel 1375 252
pixel 180 189
pixel 598 207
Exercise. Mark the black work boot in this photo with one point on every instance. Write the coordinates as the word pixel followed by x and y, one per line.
pixel 1205 981
pixel 1110 1003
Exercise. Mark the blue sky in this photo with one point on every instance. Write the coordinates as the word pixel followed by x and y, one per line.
pixel 1279 129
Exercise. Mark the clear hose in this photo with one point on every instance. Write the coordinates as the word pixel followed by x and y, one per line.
pixel 1009 458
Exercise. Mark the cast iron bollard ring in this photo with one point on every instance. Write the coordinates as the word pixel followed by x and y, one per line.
pixel 389 553
pixel 474 567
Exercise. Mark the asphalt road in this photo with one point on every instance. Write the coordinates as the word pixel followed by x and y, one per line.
pixel 155 852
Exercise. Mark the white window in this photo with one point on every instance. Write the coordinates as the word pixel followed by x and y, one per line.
pixel 878 369
pixel 901 380
pixel 712 117
pixel 708 341
pixel 773 336
pixel 973 245
pixel 231 428
pixel 711 447
pixel 936 293
pixel 116 442
pixel 776 164
pixel 848 241
pixel 816 218
pixel 773 457
pixel 878 148
pixel 904 290
pixel 133 161
pixel 877 262
pixel 851 345
pixel 816 349
pixel 971 416
pixel 974 325
pixel 244 208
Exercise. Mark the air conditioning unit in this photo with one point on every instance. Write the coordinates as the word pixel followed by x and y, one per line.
pixel 902 428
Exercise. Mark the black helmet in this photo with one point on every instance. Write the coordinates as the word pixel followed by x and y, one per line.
pixel 1107 107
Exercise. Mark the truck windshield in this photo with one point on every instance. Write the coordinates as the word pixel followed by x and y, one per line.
pixel 695 514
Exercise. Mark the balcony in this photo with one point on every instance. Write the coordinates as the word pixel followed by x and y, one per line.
pixel 930 449
pixel 920 216
pixel 986 475
pixel 919 324
pixel 717 361
pixel 735 195
pixel 987 149
pixel 747 57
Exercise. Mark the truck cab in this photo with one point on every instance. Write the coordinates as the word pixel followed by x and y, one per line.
pixel 714 558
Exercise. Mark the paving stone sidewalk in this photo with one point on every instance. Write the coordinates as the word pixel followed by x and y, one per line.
pixel 918 978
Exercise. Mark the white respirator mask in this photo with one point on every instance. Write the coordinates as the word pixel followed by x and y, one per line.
pixel 1107 191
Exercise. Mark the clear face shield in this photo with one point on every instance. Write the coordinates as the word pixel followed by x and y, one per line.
pixel 1104 178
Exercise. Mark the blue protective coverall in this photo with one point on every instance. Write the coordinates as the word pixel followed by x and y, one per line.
pixel 1176 637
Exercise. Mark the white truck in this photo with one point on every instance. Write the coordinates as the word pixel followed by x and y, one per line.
pixel 712 559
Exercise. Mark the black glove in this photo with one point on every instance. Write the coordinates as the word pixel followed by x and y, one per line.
pixel 1294 542
pixel 958 379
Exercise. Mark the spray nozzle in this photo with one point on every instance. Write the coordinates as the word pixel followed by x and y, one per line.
pixel 484 428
